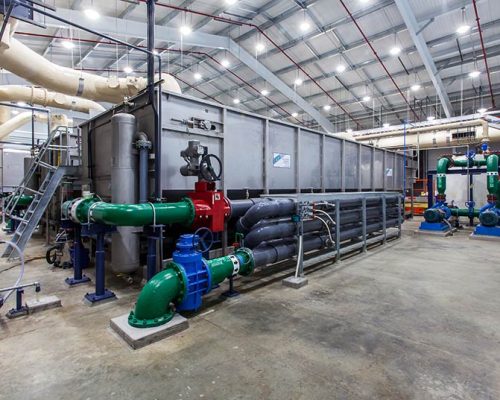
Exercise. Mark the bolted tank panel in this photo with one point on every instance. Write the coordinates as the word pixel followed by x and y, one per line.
pixel 258 153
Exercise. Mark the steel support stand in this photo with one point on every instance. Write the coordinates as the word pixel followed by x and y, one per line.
pixel 20 309
pixel 399 216
pixel 101 293
pixel 384 218
pixel 78 276
pixel 363 213
pixel 231 292
pixel 337 230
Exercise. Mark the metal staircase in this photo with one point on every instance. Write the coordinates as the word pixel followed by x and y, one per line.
pixel 41 197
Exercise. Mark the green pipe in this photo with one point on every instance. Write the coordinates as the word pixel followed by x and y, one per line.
pixel 222 267
pixel 442 168
pixel 468 163
pixel 463 212
pixel 134 214
pixel 23 200
pixel 492 175
pixel 154 304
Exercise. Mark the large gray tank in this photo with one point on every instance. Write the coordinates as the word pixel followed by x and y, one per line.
pixel 124 186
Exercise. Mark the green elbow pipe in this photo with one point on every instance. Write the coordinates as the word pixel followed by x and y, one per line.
pixel 442 168
pixel 132 214
pixel 154 305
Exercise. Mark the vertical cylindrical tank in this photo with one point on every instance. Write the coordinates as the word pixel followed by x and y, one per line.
pixel 124 177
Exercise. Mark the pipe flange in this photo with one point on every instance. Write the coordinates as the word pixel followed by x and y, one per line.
pixel 151 323
pixel 74 210
pixel 192 210
pixel 181 274
pixel 143 144
pixel 248 260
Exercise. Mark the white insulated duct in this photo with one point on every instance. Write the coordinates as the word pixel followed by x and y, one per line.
pixel 45 98
pixel 24 62
pixel 4 114
pixel 431 136
pixel 25 117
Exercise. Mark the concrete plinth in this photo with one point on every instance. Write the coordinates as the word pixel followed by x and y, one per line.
pixel 140 337
pixel 435 233
pixel 42 304
pixel 486 238
pixel 295 283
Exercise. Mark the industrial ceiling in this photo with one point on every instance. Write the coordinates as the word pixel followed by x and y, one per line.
pixel 332 64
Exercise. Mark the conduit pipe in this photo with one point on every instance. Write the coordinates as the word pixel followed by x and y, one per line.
pixel 45 98
pixel 24 62
pixel 485 57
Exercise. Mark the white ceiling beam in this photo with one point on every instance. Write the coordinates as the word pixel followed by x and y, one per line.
pixel 415 32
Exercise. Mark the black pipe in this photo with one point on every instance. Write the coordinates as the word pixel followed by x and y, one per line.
pixel 142 144
pixel 263 210
pixel 271 253
pixel 240 207
pixel 264 231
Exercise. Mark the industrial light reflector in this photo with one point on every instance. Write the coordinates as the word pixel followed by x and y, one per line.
pixel 474 74
pixel 68 44
pixel 91 13
pixel 185 30
pixel 463 29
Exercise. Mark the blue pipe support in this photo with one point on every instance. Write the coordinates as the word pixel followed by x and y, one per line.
pixel 79 257
pixel 101 293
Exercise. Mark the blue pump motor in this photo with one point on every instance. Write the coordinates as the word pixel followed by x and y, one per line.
pixel 196 271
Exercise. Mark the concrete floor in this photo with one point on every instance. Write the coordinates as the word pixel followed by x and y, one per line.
pixel 419 319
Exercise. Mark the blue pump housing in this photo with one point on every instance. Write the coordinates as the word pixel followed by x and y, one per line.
pixel 196 272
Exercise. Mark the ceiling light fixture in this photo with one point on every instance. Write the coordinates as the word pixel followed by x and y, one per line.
pixel 128 70
pixel 225 63
pixel 395 51
pixel 236 101
pixel 327 107
pixel 474 74
pixel 67 44
pixel 197 76
pixel 366 98
pixel 264 92
pixel 231 2
pixel 415 87
pixel 91 13
pixel 298 82
pixel 463 29
pixel 295 114
pixel 431 118
pixel 340 68
pixel 305 26
pixel 260 47
pixel 185 30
